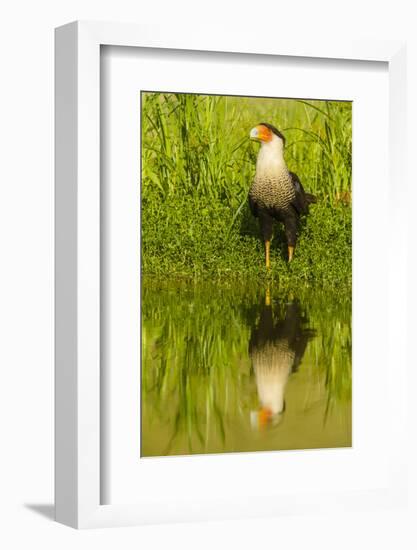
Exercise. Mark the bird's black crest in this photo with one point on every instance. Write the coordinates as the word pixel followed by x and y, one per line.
pixel 274 130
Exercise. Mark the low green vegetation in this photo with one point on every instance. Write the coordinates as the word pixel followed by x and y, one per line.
pixel 198 165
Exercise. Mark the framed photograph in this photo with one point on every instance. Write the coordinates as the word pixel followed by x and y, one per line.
pixel 229 306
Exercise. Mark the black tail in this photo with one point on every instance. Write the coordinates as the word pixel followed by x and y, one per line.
pixel 311 199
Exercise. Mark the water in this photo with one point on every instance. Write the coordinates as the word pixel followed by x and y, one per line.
pixel 234 368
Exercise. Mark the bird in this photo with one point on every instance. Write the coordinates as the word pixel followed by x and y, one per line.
pixel 276 347
pixel 276 193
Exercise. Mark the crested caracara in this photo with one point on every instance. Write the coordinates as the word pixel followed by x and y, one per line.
pixel 276 348
pixel 276 193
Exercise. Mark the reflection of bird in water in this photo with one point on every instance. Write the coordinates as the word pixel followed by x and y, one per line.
pixel 276 348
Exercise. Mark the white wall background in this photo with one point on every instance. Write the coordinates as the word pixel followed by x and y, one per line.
pixel 26 268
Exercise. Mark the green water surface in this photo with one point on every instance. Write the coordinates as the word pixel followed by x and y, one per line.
pixel 238 368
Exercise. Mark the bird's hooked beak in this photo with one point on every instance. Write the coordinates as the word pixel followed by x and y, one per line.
pixel 254 134
pixel 261 418
pixel 264 417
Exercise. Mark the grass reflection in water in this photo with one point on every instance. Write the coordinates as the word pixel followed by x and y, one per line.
pixel 229 368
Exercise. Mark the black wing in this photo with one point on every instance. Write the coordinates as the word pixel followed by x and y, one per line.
pixel 253 206
pixel 300 344
pixel 294 331
pixel 300 201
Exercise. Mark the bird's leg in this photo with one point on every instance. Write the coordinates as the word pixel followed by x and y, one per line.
pixel 290 227
pixel 268 296
pixel 265 222
pixel 267 260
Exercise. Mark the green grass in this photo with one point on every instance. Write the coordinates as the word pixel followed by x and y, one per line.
pixel 198 165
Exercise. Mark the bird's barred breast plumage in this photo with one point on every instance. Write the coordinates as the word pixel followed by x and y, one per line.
pixel 273 355
pixel 273 192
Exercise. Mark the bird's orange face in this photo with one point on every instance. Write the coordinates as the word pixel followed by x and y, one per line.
pixel 261 133
pixel 264 417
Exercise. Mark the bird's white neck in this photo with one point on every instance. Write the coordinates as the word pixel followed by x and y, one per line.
pixel 271 384
pixel 270 160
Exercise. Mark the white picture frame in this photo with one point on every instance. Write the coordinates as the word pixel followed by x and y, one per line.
pixel 77 242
